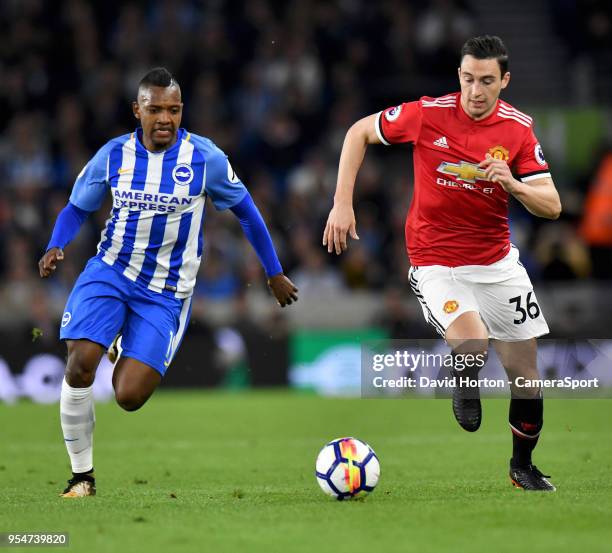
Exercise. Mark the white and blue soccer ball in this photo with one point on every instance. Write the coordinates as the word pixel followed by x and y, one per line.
pixel 347 467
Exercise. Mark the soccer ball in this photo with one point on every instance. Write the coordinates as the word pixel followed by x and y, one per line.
pixel 347 467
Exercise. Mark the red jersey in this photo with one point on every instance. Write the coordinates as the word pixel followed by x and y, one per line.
pixel 457 217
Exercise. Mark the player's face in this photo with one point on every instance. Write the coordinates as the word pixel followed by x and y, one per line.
pixel 159 110
pixel 481 82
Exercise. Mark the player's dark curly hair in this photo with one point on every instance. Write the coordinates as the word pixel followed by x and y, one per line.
pixel 158 76
pixel 487 47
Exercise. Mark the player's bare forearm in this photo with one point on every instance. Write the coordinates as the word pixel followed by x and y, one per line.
pixel 540 197
pixel 354 148
pixel 341 218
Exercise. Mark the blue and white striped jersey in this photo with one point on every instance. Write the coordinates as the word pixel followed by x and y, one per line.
pixel 154 232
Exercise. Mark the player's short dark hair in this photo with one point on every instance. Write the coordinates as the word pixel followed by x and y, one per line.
pixel 487 47
pixel 158 76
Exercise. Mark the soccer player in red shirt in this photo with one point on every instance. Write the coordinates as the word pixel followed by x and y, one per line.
pixel 468 147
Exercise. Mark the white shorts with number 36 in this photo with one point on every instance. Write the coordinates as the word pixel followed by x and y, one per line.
pixel 501 293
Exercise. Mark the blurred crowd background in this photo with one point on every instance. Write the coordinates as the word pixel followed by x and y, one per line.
pixel 276 84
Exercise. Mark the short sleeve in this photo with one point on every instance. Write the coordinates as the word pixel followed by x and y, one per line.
pixel 91 184
pixel 222 184
pixel 400 123
pixel 530 162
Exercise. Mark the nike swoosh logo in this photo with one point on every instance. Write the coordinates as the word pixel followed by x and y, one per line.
pixel 73 440
pixel 127 170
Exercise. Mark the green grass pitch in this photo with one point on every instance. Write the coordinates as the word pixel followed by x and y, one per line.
pixel 217 472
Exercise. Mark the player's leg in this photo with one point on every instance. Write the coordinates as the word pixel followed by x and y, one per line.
pixel 93 315
pixel 451 308
pixel 526 414
pixel 514 319
pixel 134 382
pixel 151 336
pixel 82 361
pixel 468 338
pixel 77 414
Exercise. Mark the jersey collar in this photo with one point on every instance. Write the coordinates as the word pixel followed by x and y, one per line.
pixel 464 117
pixel 180 134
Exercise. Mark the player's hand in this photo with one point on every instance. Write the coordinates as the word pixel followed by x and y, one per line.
pixel 48 262
pixel 283 289
pixel 341 221
pixel 497 170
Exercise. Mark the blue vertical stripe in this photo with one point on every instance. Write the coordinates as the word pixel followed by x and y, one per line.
pixel 156 238
pixel 197 165
pixel 196 188
pixel 179 247
pixel 139 178
pixel 140 167
pixel 123 258
pixel 200 238
pixel 114 164
pixel 167 184
pixel 106 242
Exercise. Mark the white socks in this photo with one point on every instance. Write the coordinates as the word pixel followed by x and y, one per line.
pixel 78 421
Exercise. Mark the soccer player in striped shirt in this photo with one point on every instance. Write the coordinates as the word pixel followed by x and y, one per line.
pixel 464 271
pixel 140 282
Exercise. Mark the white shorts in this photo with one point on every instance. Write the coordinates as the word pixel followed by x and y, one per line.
pixel 501 293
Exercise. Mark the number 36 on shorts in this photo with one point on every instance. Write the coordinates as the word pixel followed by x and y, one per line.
pixel 526 307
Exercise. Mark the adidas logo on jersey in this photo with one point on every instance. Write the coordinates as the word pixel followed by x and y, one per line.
pixel 441 142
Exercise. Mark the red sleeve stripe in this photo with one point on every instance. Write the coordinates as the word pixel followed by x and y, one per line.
pixel 379 131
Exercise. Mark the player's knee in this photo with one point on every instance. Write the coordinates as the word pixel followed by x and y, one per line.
pixel 80 368
pixel 465 330
pixel 470 354
pixel 130 400
pixel 470 361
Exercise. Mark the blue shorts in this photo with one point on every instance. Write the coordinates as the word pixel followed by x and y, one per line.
pixel 104 303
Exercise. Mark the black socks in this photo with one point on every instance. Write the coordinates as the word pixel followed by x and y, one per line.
pixel 526 421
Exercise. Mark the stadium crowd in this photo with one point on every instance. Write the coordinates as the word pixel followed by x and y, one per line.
pixel 274 84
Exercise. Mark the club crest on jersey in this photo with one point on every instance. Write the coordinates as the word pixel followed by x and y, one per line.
pixel 451 306
pixel 393 113
pixel 182 174
pixel 464 171
pixel 539 154
pixel 499 152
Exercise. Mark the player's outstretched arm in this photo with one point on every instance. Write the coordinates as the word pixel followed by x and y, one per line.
pixel 67 226
pixel 257 233
pixel 341 218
